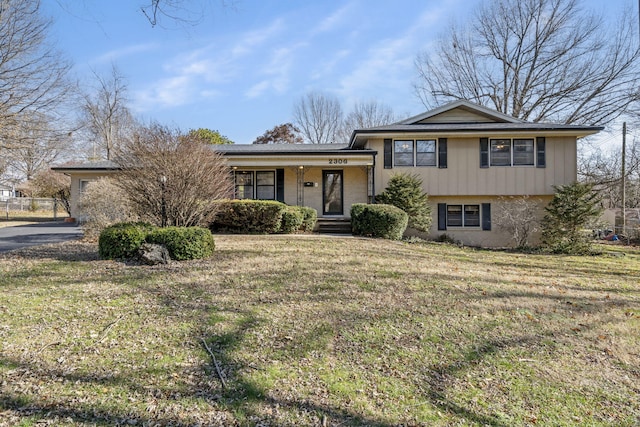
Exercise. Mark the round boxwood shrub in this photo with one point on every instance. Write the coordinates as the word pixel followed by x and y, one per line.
pixel 122 240
pixel 386 221
pixel 184 243
pixel 292 219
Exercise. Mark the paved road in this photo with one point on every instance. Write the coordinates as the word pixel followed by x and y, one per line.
pixel 42 233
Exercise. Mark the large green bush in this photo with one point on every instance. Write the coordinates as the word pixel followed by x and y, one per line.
pixel 184 243
pixel 386 221
pixel 405 192
pixel 292 219
pixel 122 240
pixel 249 216
pixel 573 209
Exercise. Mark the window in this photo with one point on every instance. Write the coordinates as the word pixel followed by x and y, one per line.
pixel 255 185
pixel 516 152
pixel 244 185
pixel 500 152
pixel 523 152
pixel 463 215
pixel 472 215
pixel 421 152
pixel 403 153
pixel 426 152
pixel 265 185
pixel 454 215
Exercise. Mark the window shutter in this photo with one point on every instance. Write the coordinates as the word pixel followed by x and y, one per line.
pixel 486 216
pixel 540 150
pixel 484 152
pixel 280 185
pixel 388 149
pixel 442 153
pixel 442 216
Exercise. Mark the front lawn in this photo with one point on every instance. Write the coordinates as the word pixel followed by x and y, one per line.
pixel 320 331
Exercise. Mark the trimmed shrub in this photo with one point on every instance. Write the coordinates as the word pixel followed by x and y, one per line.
pixel 310 218
pixel 249 216
pixel 122 241
pixel 184 243
pixel 292 220
pixel 386 221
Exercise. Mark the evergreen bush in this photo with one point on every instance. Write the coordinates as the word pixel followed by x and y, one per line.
pixel 292 220
pixel 184 243
pixel 405 192
pixel 310 218
pixel 122 240
pixel 386 221
pixel 249 216
pixel 572 210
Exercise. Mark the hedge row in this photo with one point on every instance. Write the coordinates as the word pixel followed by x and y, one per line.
pixel 386 221
pixel 122 241
pixel 263 217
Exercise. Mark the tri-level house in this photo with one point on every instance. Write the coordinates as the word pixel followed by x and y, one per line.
pixel 472 161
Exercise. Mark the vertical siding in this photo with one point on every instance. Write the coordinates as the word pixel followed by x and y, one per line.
pixel 465 177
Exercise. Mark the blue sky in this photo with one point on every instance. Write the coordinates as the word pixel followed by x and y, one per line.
pixel 242 68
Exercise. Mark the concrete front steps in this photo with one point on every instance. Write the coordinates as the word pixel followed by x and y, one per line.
pixel 333 226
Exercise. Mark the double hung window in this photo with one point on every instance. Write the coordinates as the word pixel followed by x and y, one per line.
pixel 255 185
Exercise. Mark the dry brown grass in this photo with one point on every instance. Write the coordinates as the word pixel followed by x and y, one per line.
pixel 313 330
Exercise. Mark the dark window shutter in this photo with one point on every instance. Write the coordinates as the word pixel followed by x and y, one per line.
pixel 486 216
pixel 280 185
pixel 484 152
pixel 541 143
pixel 388 150
pixel 442 153
pixel 442 216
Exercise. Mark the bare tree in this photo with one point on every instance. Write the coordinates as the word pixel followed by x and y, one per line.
pixel 33 75
pixel 103 204
pixel 39 147
pixel 172 178
pixel 520 217
pixel 106 117
pixel 48 183
pixel 281 134
pixel 366 115
pixel 318 116
pixel 537 60
pixel 603 169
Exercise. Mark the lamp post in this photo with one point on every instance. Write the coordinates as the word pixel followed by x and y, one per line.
pixel 163 207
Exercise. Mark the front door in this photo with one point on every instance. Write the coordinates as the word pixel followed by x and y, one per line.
pixel 332 203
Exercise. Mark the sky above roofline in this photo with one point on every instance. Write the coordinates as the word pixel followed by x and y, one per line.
pixel 242 67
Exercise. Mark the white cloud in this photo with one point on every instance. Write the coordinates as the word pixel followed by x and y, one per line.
pixel 388 65
pixel 334 20
pixel 115 54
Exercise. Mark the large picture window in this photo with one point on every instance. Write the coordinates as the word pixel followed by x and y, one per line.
pixel 255 185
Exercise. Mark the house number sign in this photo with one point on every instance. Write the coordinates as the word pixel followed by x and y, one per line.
pixel 337 161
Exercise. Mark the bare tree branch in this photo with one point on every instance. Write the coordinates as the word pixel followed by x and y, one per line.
pixel 538 60
pixel 318 116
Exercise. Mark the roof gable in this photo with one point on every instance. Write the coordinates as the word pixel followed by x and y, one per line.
pixel 460 111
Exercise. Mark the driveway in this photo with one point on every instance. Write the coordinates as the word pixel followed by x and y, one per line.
pixel 22 236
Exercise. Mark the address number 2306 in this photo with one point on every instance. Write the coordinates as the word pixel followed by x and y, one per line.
pixel 337 161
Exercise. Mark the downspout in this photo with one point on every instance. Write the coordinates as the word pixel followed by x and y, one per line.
pixel 373 179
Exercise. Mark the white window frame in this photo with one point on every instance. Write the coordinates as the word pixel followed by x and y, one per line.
pixel 464 220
